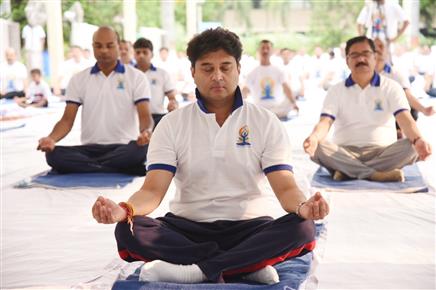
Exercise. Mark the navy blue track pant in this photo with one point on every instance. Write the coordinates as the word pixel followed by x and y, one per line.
pixel 219 248
pixel 124 158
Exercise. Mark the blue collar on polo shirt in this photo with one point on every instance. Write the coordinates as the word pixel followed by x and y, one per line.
pixel 387 68
pixel 119 68
pixel 375 81
pixel 152 67
pixel 236 103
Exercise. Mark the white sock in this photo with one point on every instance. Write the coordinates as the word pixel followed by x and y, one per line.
pixel 161 271
pixel 267 275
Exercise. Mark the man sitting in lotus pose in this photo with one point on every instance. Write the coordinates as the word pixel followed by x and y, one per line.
pixel 364 109
pixel 222 152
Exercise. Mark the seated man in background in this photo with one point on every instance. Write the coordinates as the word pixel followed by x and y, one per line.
pixel 364 109
pixel 268 86
pixel 222 152
pixel 13 77
pixel 383 68
pixel 38 92
pixel 114 97
pixel 160 82
pixel 75 63
pixel 126 52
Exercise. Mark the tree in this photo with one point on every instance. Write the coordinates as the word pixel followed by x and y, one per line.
pixel 428 14
pixel 334 21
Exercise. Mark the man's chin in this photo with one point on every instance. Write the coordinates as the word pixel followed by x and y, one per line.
pixel 363 69
pixel 106 62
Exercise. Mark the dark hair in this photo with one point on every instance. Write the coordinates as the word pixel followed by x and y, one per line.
pixel 143 43
pixel 358 39
pixel 332 53
pixel 212 40
pixel 35 71
pixel 265 41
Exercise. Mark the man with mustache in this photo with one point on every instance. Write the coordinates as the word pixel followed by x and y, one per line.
pixel 364 109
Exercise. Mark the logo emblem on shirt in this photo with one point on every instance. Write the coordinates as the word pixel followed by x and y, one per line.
pixel 378 105
pixel 243 136
pixel 153 81
pixel 267 85
pixel 120 85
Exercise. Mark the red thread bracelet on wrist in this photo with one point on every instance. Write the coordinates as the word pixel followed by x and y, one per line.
pixel 129 213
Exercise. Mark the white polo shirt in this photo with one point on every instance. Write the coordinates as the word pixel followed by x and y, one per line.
pixel 220 171
pixel 366 116
pixel 12 76
pixel 396 75
pixel 33 36
pixel 38 91
pixel 266 85
pixel 109 114
pixel 381 21
pixel 160 84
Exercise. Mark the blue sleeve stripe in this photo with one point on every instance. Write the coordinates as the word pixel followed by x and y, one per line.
pixel 277 168
pixel 160 166
pixel 73 102
pixel 328 115
pixel 399 111
pixel 142 100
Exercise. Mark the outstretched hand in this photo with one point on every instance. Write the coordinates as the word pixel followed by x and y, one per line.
pixel 144 137
pixel 315 208
pixel 46 144
pixel 106 211
pixel 172 105
pixel 423 148
pixel 428 111
pixel 310 145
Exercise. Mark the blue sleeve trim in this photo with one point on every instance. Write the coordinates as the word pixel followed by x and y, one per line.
pixel 328 115
pixel 142 100
pixel 278 167
pixel 160 166
pixel 399 111
pixel 73 102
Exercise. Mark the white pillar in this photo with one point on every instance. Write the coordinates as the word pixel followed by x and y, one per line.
pixel 191 18
pixel 168 23
pixel 129 20
pixel 411 8
pixel 55 38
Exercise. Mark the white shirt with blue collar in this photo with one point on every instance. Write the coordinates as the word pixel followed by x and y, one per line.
pixel 160 84
pixel 365 117
pixel 397 75
pixel 220 172
pixel 109 114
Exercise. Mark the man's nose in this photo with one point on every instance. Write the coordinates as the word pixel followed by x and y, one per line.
pixel 217 75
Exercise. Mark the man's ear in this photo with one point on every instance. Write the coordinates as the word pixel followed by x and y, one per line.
pixel 192 71
pixel 239 68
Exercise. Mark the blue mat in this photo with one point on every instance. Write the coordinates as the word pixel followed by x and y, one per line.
pixel 292 273
pixel 6 127
pixel 51 179
pixel 413 183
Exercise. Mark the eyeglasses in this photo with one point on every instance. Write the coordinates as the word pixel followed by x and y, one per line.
pixel 356 55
